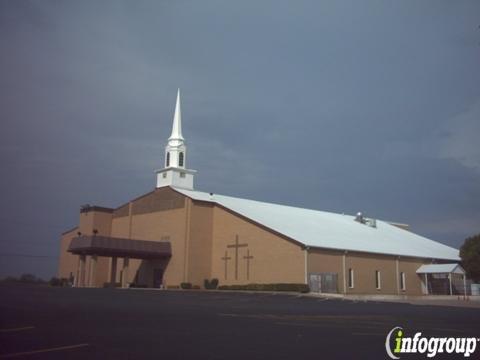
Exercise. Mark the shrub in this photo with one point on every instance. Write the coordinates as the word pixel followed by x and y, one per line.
pixel 303 288
pixel 186 285
pixel 212 284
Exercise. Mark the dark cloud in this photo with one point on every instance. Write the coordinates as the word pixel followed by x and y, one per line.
pixel 340 106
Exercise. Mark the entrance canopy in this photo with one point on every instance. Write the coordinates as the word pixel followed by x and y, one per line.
pixel 441 269
pixel 119 247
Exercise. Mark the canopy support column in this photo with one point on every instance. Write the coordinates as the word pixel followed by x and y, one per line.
pixel 125 272
pixel 426 284
pixel 81 277
pixel 93 271
pixel 450 282
pixel 113 271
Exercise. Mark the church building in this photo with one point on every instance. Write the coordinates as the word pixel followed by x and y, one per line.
pixel 176 234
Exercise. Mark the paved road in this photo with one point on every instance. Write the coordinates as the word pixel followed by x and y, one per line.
pixel 139 324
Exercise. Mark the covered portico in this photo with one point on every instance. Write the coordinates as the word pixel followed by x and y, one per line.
pixel 114 248
pixel 443 279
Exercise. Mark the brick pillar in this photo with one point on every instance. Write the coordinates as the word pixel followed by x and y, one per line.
pixel 93 271
pixel 113 271
pixel 82 274
pixel 125 272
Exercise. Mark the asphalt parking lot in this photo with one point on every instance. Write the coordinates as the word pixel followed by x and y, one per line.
pixel 39 322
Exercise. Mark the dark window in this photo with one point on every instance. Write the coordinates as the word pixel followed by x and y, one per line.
pixel 182 174
pixel 377 279
pixel 350 278
pixel 180 159
pixel 168 160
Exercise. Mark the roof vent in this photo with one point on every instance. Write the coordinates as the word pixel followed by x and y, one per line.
pixel 372 223
pixel 363 220
pixel 360 218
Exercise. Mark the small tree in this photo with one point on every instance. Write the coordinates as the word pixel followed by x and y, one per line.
pixel 470 254
pixel 28 278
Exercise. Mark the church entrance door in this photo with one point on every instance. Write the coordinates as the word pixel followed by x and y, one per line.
pixel 157 278
pixel 323 282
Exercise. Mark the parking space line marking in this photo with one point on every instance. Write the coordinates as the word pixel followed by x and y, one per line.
pixel 17 329
pixel 42 351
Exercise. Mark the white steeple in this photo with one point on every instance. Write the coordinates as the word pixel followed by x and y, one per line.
pixel 177 121
pixel 175 172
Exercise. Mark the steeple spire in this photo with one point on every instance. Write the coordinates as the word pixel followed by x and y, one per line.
pixel 177 121
pixel 175 172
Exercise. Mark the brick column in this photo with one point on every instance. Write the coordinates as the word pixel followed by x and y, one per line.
pixel 125 272
pixel 113 271
pixel 82 274
pixel 93 271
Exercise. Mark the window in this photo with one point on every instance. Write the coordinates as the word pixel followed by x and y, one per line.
pixel 180 159
pixel 350 278
pixel 164 175
pixel 378 280
pixel 168 160
pixel 402 281
pixel 182 174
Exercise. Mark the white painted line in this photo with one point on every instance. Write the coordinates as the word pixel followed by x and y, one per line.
pixel 5 356
pixel 17 329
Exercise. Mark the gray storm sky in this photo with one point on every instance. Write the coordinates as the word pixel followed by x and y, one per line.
pixel 334 105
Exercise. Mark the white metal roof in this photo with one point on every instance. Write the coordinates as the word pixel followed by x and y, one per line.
pixel 440 268
pixel 329 230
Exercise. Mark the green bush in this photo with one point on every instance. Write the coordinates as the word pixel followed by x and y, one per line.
pixel 210 284
pixel 214 283
pixel 303 288
pixel 186 285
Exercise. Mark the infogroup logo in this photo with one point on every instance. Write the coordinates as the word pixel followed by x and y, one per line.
pixel 397 343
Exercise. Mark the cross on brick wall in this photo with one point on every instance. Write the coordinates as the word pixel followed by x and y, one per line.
pixel 236 246
pixel 225 259
pixel 248 258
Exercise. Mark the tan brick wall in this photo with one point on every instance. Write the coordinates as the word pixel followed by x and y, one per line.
pixel 275 259
pixel 200 242
pixel 166 222
pixel 364 266
pixel 88 221
pixel 67 263
pixel 413 281
pixel 326 261
pixel 99 220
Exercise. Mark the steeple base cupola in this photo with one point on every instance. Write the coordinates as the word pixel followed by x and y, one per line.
pixel 175 172
pixel 181 178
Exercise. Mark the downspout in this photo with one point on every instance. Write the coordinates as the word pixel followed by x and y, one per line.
pixel 344 260
pixel 306 264
pixel 397 275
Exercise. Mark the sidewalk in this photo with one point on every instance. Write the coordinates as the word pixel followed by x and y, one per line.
pixel 440 300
